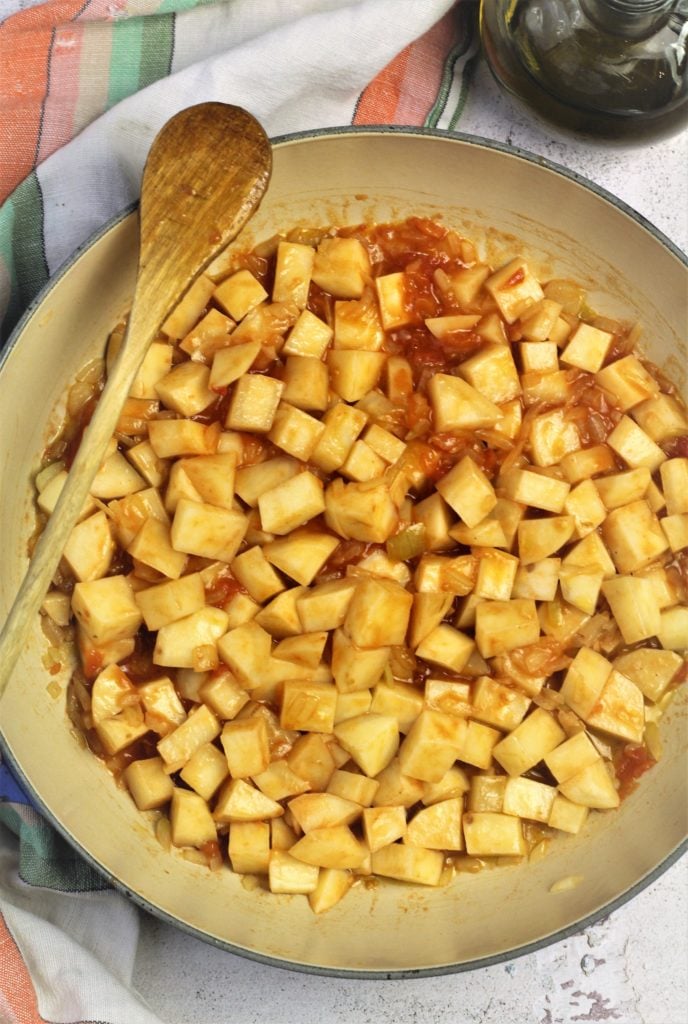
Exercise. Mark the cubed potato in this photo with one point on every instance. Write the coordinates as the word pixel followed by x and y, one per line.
pixel 492 372
pixel 293 269
pixel 255 573
pixel 208 336
pixel 302 554
pixel 304 650
pixel 591 787
pixel 308 706
pixel 116 478
pixel 451 786
pixel 439 574
pixel 586 506
pixel 153 470
pixel 587 462
pixel 427 613
pixel 356 668
pixel 148 782
pixel 238 800
pixel 432 745
pixel 309 336
pixel 584 681
pixel 106 609
pixel 408 864
pixel 372 740
pixel 152 546
pixel 676 531
pixel 496 575
pixel 468 491
pixel 188 311
pixel 502 625
pixel 291 876
pixel 212 477
pixel 487 793
pixel 190 819
pixel 323 810
pixel 552 437
pixel 311 758
pixel 333 885
pixel 378 614
pixel 580 587
pixel 655 498
pixel 252 481
pixel 567 816
pixel 162 706
pixel 651 670
pixel 353 787
pixel 342 267
pixel 512 418
pixel 395 309
pixel 306 384
pixel 514 288
pixel 292 503
pixel 402 700
pixel 661 418
pixel 495 703
pixel 354 372
pixel 177 747
pixel 246 650
pixel 548 388
pixel 538 580
pixel 535 489
pixel 230 364
pixel 447 695
pixel 540 538
pixel 362 463
pixel 447 647
pixel 587 347
pixel 437 827
pixel 571 756
pixel 325 606
pixel 205 771
pixel 90 547
pixel 617 489
pixel 467 282
pixel 634 446
pixel 239 294
pixel 396 788
pixel 357 323
pixel 383 825
pixel 663 584
pixel 456 405
pixel 295 431
pixel 112 691
pixel 591 554
pixel 378 562
pixel 478 744
pixel 167 602
pixel 172 438
pixel 627 381
pixel 223 694
pixel 249 847
pixel 349 705
pixel 118 733
pixel 156 364
pixel 207 530
pixel 633 604
pixel 330 847
pixel 254 403
pixel 620 710
pixel 185 389
pixel 634 536
pixel 489 834
pixel 343 424
pixel 279 781
pixel 246 745
pixel 528 744
pixel 177 642
pixel 539 356
pixel 526 798
pixel 383 443
pixel 487 534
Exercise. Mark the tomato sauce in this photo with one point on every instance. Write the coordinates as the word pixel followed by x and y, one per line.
pixel 630 763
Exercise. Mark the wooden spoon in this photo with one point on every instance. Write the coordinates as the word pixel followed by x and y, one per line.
pixel 205 175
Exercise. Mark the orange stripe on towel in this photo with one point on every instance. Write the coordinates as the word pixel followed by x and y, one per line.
pixel 17 994
pixel 25 41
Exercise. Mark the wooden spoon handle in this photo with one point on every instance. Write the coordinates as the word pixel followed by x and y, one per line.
pixel 205 174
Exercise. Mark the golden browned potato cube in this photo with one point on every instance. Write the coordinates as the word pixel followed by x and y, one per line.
pixel 205 771
pixel 452 785
pixel 496 575
pixel 428 611
pixel 449 696
pixel 538 580
pixel 325 605
pixel 323 810
pixel 587 462
pixel 493 374
pixel 167 602
pixel 587 348
pixel 148 783
pixel 497 704
pixel 580 587
pixel 489 834
pixel 90 547
pixel 362 463
pixel 308 706
pixel 116 478
pixel 651 670
pixel 207 530
pixel 305 649
pixel 661 418
pixel 447 647
pixel 437 827
pixel 239 294
pixel 330 847
pixel 432 745
pixel 152 547
pixel 378 614
pixel 571 756
pixel 514 288
pixel 353 787
pixel 617 489
pixel 456 405
pixel 293 269
pixel 402 700
pixel 249 847
pixel 371 740
pixel 279 781
pixel 333 885
pixel 552 437
pixel 634 446
pixel 178 746
pixel 591 787
pixel 311 757
pixel 620 710
pixel 502 625
pixel 383 825
pixel 674 475
pixel 383 443
pixel 343 424
pixel 586 507
pixel 246 746
pixel 590 553
pixel 191 820
pixel 397 788
pixel 349 705
pixel 408 864
pixel 252 481
pixel 477 744
pixel 357 323
pixel 147 463
pixel 212 476
pixel 487 793
pixel 395 309
pixel 106 609
pixel 115 734
pixel 468 491
pixel 291 876
pixel 539 356
pixel 550 388
pixel 309 336
pixel 439 574
pixel 633 604
pixel 627 381
pixel 634 536
pixel 292 503
pixel 567 816
pixel 162 706
pixel 208 336
pixel 185 388
pixel 156 364
pixel 540 538
pixel 238 800
pixel 254 403
pixel 487 534
pixel 526 798
pixel 302 554
pixel 223 694
pixel 188 311
pixel 584 681
pixel 530 741
pixel 535 489
pixel 356 668
pixel 467 282
pixel 676 531
pixel 354 372
pixel 306 384
pixel 295 431
pixel 229 364
pixel 255 573
pixel 342 267
pixel 172 438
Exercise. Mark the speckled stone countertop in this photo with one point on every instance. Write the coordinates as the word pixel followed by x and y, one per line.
pixel 630 967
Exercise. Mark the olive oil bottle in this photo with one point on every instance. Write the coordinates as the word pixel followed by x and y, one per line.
pixel 611 68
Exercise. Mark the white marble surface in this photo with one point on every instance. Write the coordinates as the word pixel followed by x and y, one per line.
pixel 630 968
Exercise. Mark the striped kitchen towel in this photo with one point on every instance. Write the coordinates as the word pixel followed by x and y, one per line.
pixel 84 87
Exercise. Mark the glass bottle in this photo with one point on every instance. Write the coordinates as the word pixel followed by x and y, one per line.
pixel 614 68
